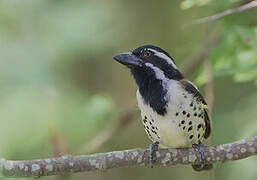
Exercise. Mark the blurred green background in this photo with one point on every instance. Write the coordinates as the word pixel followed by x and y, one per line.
pixel 62 93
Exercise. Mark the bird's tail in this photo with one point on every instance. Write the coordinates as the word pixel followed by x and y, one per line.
pixel 202 167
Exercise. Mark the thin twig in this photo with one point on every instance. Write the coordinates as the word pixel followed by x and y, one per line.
pixel 59 148
pixel 193 62
pixel 134 157
pixel 111 130
pixel 59 145
pixel 209 86
pixel 217 16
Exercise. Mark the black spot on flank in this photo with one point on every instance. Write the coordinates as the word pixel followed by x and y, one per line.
pixel 198 136
pixel 150 123
pixel 188 115
pixel 152 120
pixel 191 136
pixel 185 96
pixel 195 114
pixel 199 126
pixel 191 104
pixel 145 117
pixel 190 123
pixel 154 132
pixel 147 127
pixel 184 112
pixel 148 131
pixel 176 113
pixel 153 127
pixel 190 128
pixel 144 121
pixel 199 115
pixel 199 108
pixel 194 108
pixel 190 88
pixel 182 122
pixel 184 127
pixel 179 125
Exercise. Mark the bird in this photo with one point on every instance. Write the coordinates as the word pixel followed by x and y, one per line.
pixel 173 111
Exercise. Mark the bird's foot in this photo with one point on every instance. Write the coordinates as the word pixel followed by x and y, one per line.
pixel 153 148
pixel 200 148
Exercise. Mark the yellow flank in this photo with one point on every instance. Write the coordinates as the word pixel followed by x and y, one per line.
pixel 204 106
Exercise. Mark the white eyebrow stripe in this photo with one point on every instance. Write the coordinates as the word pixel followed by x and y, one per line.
pixel 163 56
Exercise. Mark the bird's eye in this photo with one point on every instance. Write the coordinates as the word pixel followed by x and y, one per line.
pixel 147 53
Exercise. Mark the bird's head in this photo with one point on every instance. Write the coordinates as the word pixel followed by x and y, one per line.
pixel 150 62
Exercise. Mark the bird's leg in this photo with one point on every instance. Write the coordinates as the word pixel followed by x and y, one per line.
pixel 200 148
pixel 152 153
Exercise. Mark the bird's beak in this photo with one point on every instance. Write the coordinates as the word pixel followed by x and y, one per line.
pixel 128 59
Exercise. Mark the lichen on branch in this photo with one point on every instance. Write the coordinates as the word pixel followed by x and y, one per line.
pixel 134 157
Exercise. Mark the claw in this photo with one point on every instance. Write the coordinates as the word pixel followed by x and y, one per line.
pixel 200 148
pixel 152 153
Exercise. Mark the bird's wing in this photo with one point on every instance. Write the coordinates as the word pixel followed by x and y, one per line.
pixel 192 89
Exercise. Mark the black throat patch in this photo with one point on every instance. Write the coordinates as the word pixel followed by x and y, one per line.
pixel 151 89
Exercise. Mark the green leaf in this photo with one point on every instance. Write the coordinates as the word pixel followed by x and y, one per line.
pixel 235 55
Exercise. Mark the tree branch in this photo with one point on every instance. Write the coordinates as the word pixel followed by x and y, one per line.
pixel 222 14
pixel 134 157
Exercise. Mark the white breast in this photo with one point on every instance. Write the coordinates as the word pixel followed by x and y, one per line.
pixel 174 128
